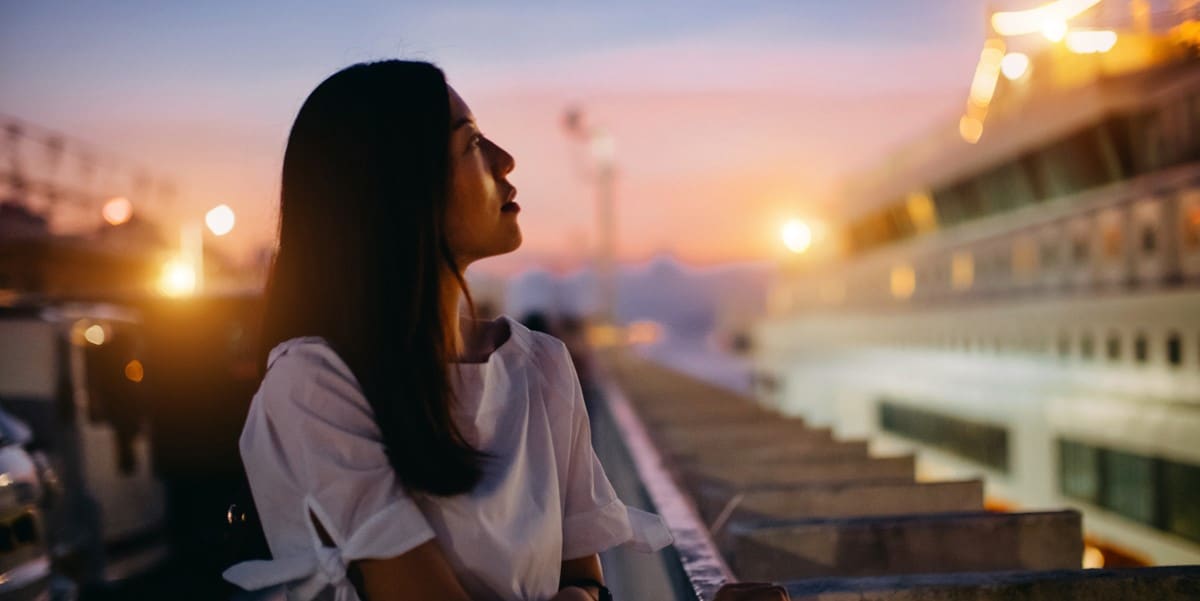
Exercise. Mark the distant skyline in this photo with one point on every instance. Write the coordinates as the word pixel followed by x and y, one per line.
pixel 727 118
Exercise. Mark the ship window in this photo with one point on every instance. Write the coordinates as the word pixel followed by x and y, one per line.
pixel 983 443
pixel 1076 163
pixel 1087 346
pixel 1032 167
pixel 1181 488
pixel 1119 132
pixel 1191 227
pixel 1155 491
pixel 1111 241
pixel 1064 345
pixel 1129 486
pixel 1174 349
pixel 1149 240
pixel 1141 348
pixel 1114 347
pixel 1079 470
pixel 1079 249
pixel 1005 187
pixel 1050 254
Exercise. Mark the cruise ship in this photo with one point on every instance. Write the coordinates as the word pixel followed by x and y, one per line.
pixel 1016 296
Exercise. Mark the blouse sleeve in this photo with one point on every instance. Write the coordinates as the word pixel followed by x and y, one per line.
pixel 317 432
pixel 594 518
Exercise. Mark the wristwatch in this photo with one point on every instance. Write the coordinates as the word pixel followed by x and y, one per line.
pixel 585 583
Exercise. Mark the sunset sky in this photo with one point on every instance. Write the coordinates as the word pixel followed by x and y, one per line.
pixel 727 117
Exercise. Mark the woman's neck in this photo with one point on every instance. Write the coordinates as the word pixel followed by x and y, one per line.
pixel 451 296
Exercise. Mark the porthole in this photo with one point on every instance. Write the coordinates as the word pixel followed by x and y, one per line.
pixel 1079 250
pixel 1149 240
pixel 1174 349
pixel 1050 254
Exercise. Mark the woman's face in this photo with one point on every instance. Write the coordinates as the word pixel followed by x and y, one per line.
pixel 481 217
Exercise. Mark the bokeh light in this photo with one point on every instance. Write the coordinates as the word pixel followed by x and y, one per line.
pixel 1054 30
pixel 903 281
pixel 94 334
pixel 117 210
pixel 134 371
pixel 220 220
pixel 1015 65
pixel 970 128
pixel 1091 42
pixel 1021 22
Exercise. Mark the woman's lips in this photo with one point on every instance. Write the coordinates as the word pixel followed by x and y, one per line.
pixel 511 206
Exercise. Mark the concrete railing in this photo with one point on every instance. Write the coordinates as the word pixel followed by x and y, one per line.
pixel 753 495
pixel 692 569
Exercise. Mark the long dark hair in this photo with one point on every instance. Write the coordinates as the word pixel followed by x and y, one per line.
pixel 363 255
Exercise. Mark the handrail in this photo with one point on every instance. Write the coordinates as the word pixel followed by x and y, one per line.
pixel 700 561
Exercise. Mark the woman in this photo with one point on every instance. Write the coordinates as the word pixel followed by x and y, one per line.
pixel 394 450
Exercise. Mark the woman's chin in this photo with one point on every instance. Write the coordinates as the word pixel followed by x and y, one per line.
pixel 515 240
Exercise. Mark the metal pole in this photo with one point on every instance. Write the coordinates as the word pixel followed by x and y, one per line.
pixel 606 256
pixel 192 250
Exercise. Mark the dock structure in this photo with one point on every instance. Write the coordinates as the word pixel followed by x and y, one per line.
pixel 753 495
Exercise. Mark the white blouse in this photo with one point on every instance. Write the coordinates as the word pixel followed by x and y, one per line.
pixel 311 444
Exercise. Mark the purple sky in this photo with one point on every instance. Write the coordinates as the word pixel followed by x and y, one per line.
pixel 727 117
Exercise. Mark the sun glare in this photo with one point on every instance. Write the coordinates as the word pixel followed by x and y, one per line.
pixel 797 236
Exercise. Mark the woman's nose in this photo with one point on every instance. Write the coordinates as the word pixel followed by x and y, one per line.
pixel 503 162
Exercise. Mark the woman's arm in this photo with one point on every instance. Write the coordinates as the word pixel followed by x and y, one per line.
pixel 420 574
pixel 423 573
pixel 583 568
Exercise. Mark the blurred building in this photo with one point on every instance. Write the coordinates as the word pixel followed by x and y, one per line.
pixel 1016 295
pixel 109 262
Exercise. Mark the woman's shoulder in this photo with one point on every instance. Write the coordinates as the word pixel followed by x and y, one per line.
pixel 307 371
pixel 545 352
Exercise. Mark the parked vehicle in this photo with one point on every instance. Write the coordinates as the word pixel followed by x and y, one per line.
pixel 73 373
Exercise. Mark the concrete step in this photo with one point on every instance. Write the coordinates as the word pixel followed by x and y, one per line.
pixel 766 475
pixel 1175 583
pixel 841 500
pixel 779 452
pixel 910 544
pixel 737 435
pixel 700 414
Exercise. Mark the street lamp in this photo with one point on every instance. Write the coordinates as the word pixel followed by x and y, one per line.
pixel 184 275
pixel 178 278
pixel 602 149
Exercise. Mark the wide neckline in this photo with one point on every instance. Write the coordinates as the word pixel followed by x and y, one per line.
pixel 513 332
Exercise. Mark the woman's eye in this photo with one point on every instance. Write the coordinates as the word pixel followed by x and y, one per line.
pixel 476 140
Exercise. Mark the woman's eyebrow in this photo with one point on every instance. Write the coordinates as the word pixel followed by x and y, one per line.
pixel 461 122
